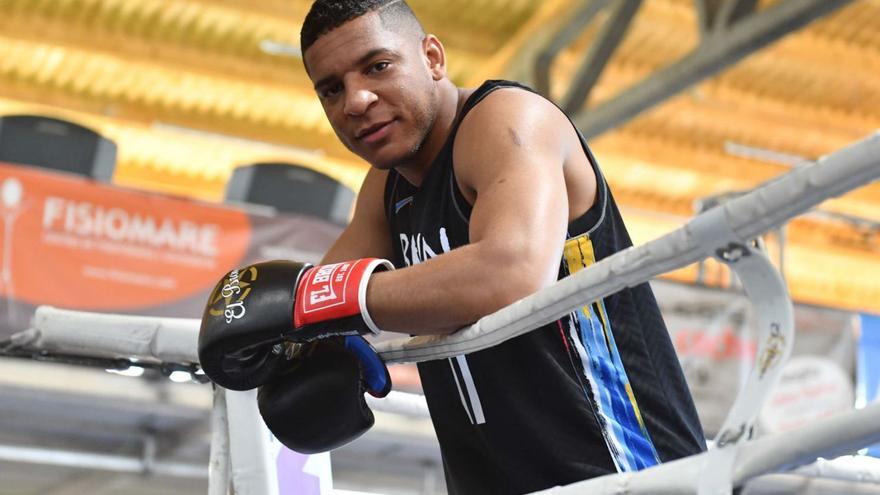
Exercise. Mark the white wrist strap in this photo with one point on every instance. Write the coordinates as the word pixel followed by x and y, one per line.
pixel 362 292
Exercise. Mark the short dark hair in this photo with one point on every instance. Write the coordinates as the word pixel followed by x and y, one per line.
pixel 327 15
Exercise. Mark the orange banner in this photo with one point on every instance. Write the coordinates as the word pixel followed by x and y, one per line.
pixel 71 242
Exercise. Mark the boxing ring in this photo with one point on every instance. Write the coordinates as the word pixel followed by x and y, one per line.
pixel 241 445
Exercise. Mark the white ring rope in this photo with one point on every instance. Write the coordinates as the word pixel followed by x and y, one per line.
pixel 147 338
pixel 748 216
pixel 405 404
pixel 840 434
pixel 851 468
pixel 174 339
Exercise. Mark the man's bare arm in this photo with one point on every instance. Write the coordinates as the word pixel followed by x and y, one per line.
pixel 366 236
pixel 509 155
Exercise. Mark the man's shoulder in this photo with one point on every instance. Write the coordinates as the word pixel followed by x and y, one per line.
pixel 511 98
pixel 509 112
pixel 508 127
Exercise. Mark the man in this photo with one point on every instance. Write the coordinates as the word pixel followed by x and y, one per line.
pixel 482 197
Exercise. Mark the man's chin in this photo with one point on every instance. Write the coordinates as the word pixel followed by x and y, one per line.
pixel 381 165
pixel 387 161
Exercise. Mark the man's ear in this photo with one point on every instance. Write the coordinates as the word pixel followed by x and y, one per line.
pixel 435 56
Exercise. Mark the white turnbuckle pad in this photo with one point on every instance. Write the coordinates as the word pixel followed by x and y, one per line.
pixel 768 294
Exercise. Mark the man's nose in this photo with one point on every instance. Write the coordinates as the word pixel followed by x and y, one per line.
pixel 358 100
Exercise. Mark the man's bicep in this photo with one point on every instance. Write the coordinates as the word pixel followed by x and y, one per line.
pixel 513 162
pixel 521 218
pixel 367 234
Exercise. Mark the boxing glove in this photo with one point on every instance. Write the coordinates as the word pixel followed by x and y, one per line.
pixel 254 311
pixel 316 403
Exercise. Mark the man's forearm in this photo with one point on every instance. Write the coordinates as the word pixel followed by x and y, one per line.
pixel 450 291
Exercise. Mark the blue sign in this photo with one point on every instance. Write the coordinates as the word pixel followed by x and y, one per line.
pixel 868 373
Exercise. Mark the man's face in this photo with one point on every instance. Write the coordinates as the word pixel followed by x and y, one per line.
pixel 376 87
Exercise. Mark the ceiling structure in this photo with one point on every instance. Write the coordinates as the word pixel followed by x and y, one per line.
pixel 189 89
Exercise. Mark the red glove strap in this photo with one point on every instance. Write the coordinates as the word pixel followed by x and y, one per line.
pixel 329 292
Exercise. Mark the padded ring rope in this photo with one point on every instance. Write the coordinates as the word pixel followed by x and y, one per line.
pixel 748 216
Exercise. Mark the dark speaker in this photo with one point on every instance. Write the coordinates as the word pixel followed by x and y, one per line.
pixel 291 188
pixel 57 145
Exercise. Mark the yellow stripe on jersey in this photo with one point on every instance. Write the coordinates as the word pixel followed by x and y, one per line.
pixel 632 399
pixel 579 254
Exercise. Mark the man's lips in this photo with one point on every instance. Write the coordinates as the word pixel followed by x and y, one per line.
pixel 374 132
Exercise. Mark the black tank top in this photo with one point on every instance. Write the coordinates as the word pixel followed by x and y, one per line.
pixel 598 391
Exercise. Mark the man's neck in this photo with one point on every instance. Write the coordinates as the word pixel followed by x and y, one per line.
pixel 452 99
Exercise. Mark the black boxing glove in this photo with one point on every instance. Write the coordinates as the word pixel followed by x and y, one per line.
pixel 317 403
pixel 252 311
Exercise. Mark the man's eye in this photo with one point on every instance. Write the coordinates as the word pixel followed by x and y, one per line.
pixel 379 66
pixel 331 91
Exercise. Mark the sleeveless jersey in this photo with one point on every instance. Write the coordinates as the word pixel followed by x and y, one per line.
pixel 599 391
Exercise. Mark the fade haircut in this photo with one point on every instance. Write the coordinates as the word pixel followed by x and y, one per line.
pixel 327 15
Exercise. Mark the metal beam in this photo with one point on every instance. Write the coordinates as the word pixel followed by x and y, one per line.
pixel 714 16
pixel 563 37
pixel 516 58
pixel 707 11
pixel 601 50
pixel 732 11
pixel 711 56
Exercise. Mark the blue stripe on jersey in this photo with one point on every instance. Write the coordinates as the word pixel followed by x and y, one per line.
pixel 641 441
pixel 609 382
pixel 618 413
